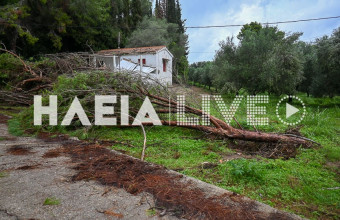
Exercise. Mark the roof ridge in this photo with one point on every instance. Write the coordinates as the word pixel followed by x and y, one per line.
pixel 133 50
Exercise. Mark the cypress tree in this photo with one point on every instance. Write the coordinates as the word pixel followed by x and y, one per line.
pixel 179 21
pixel 150 11
pixel 136 11
pixel 171 11
pixel 127 16
pixel 156 9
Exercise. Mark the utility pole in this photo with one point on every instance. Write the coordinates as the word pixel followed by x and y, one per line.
pixel 119 40
pixel 118 48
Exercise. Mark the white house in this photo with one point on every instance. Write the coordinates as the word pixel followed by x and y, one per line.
pixel 155 62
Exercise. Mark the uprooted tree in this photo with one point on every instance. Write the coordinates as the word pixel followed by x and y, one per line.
pixel 98 81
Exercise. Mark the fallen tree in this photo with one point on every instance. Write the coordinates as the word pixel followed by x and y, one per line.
pixel 26 78
pixel 86 85
pixel 99 81
pixel 220 128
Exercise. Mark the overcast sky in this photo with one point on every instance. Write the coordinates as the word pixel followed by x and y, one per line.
pixel 204 42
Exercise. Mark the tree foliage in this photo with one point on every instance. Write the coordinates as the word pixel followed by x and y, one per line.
pixel 166 28
pixel 265 55
pixel 152 32
pixel 69 25
pixel 31 27
pixel 252 26
pixel 327 80
pixel 202 73
pixel 267 59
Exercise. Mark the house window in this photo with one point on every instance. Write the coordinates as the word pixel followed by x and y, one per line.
pixel 165 62
pixel 143 60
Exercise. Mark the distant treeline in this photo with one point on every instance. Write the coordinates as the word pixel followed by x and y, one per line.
pixel 267 59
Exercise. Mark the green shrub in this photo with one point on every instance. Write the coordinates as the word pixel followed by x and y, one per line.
pixel 247 170
pixel 9 66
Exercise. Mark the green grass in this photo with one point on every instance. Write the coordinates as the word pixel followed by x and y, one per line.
pixel 15 128
pixel 14 125
pixel 299 185
pixel 3 174
pixel 302 185
pixel 51 201
pixel 169 146
pixel 151 212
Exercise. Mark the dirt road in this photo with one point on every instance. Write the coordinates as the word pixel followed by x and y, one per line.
pixel 88 181
pixel 28 179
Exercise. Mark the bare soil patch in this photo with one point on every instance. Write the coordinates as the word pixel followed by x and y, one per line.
pixel 53 137
pixel 3 119
pixel 19 150
pixel 52 153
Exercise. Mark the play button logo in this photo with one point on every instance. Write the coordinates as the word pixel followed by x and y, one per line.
pixel 290 110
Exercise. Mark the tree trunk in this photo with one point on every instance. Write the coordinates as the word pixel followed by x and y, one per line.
pixel 221 128
pixel 290 99
pixel 13 40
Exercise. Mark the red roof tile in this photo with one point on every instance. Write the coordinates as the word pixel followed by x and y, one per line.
pixel 136 50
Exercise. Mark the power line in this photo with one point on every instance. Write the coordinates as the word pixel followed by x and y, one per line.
pixel 202 52
pixel 277 22
pixel 192 27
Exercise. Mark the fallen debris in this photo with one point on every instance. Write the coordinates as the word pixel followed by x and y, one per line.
pixel 170 192
pixel 19 150
pixel 3 119
pixel 52 153
pixel 111 213
pixel 28 167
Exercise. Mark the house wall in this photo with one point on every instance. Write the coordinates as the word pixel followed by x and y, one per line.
pixel 153 60
pixel 165 77
pixel 108 60
pixel 150 58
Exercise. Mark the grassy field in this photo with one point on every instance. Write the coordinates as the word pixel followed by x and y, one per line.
pixel 307 184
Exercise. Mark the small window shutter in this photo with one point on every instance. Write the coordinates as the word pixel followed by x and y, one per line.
pixel 144 61
pixel 164 65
